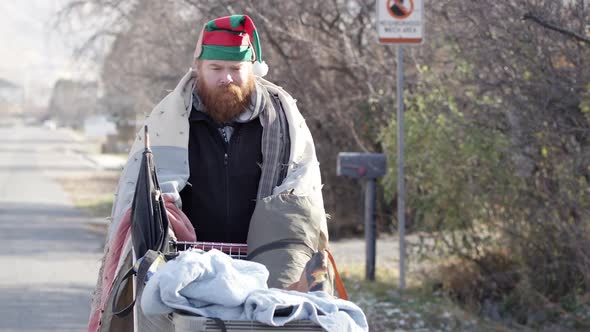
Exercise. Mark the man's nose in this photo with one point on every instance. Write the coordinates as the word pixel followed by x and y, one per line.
pixel 227 79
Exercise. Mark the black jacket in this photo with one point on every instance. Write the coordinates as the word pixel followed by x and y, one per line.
pixel 223 180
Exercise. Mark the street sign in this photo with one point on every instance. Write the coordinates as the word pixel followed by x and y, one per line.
pixel 400 21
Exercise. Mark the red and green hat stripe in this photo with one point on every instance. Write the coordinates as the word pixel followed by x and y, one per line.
pixel 231 38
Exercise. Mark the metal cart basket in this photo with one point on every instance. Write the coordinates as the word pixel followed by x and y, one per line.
pixel 186 322
pixel 234 250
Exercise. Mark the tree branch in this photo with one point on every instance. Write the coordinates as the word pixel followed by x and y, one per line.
pixel 572 34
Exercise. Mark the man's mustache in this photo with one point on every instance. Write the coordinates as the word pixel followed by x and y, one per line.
pixel 231 87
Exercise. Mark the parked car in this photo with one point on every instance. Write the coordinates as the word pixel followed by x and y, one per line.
pixel 50 124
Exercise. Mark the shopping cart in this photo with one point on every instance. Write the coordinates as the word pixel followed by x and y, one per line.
pixel 184 322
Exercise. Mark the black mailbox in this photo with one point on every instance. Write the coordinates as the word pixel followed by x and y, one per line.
pixel 361 165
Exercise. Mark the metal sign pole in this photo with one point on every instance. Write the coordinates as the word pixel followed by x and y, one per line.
pixel 400 22
pixel 401 193
pixel 370 229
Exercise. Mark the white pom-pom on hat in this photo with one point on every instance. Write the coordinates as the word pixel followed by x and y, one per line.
pixel 260 68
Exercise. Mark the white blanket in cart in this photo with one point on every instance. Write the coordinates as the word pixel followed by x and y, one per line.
pixel 214 285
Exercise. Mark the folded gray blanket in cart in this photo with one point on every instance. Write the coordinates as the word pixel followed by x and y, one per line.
pixel 212 284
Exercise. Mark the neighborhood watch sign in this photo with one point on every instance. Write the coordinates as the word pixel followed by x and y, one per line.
pixel 400 21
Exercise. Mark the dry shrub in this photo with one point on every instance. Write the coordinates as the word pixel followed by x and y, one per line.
pixel 494 285
pixel 461 280
pixel 473 282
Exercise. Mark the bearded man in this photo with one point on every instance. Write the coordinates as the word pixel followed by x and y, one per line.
pixel 234 155
pixel 225 140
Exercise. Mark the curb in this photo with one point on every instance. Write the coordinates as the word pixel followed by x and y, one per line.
pixel 100 225
pixel 73 134
pixel 108 163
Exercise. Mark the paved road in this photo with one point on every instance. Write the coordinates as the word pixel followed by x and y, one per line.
pixel 48 257
pixel 351 252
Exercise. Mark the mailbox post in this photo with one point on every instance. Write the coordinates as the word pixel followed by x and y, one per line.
pixel 368 166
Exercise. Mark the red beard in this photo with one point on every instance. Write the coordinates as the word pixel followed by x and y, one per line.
pixel 224 103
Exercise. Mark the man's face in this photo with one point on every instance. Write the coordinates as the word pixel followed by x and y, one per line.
pixel 224 87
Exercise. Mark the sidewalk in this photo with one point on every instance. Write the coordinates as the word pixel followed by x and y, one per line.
pixel 107 162
pixel 90 150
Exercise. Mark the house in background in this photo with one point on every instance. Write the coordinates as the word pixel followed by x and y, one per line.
pixel 72 102
pixel 11 97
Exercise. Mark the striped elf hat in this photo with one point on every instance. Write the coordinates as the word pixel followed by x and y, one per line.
pixel 232 38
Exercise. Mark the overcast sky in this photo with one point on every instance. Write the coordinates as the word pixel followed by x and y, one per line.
pixel 34 54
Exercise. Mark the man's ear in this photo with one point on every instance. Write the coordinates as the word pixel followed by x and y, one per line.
pixel 193 71
pixel 196 67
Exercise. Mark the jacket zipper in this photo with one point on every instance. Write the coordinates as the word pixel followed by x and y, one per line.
pixel 226 165
pixel 228 148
